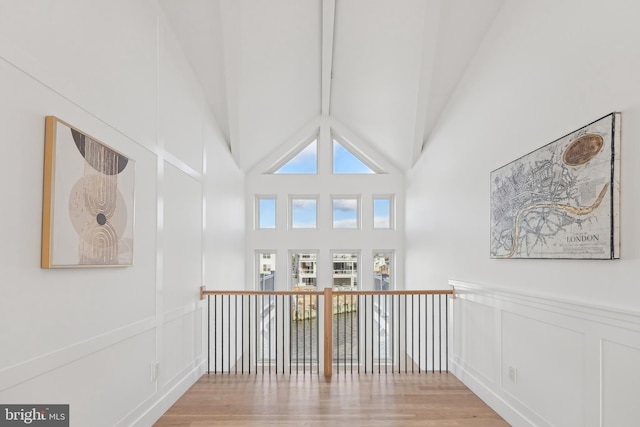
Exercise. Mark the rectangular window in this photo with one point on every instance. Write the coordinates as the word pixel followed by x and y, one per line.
pixel 266 212
pixel 382 278
pixel 304 272
pixel 383 212
pixel 266 270
pixel 265 306
pixel 346 212
pixel 304 310
pixel 345 271
pixel 345 322
pixel 383 306
pixel 304 212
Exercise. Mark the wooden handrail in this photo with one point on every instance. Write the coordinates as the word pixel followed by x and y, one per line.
pixel 204 292
pixel 405 292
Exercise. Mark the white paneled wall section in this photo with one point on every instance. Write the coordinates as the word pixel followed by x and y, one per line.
pixel 544 361
pixel 91 337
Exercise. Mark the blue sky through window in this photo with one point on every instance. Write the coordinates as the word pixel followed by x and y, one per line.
pixel 345 213
pixel 305 162
pixel 345 162
pixel 267 212
pixel 382 212
pixel 304 213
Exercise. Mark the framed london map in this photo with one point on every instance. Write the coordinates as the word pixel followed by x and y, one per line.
pixel 562 200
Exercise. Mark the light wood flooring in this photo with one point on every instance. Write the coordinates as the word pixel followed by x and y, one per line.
pixel 405 400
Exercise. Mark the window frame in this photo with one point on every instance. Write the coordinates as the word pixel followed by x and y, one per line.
pixel 392 203
pixel 305 144
pixel 358 199
pixel 258 211
pixel 392 269
pixel 292 253
pixel 355 153
pixel 292 199
pixel 258 267
pixel 358 254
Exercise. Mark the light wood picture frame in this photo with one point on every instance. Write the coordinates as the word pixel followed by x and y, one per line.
pixel 88 201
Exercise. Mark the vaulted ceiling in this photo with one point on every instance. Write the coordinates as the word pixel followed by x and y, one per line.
pixel 384 69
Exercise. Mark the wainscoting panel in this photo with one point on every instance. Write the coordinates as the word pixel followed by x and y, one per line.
pixel 540 361
pixel 473 338
pixel 535 353
pixel 620 381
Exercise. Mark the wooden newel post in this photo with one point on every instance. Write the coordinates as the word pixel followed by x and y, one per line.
pixel 328 332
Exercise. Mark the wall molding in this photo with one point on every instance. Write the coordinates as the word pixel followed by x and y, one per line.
pixel 613 316
pixel 24 371
pixel 16 374
pixel 178 313
pixel 149 411
pixel 517 319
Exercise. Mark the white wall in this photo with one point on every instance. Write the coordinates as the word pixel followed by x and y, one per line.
pixel 538 76
pixel 544 69
pixel 87 337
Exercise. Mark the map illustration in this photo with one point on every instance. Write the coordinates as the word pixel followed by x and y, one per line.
pixel 560 201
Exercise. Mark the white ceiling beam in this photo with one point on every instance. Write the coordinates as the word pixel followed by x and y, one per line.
pixel 463 27
pixel 230 17
pixel 427 64
pixel 328 23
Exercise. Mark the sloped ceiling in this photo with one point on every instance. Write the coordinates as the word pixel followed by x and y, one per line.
pixel 385 69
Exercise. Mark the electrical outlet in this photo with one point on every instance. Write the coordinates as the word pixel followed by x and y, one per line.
pixel 513 374
pixel 155 370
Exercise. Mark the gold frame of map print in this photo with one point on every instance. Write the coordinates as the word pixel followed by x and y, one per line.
pixel 562 200
pixel 88 201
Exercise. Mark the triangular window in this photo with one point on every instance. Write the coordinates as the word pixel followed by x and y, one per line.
pixel 344 161
pixel 304 162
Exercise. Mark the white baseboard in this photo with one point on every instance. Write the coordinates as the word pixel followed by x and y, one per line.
pixel 151 410
pixel 488 396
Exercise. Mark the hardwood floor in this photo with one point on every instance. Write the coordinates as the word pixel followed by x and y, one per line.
pixel 352 400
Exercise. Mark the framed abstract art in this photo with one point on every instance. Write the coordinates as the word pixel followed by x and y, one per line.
pixel 88 202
